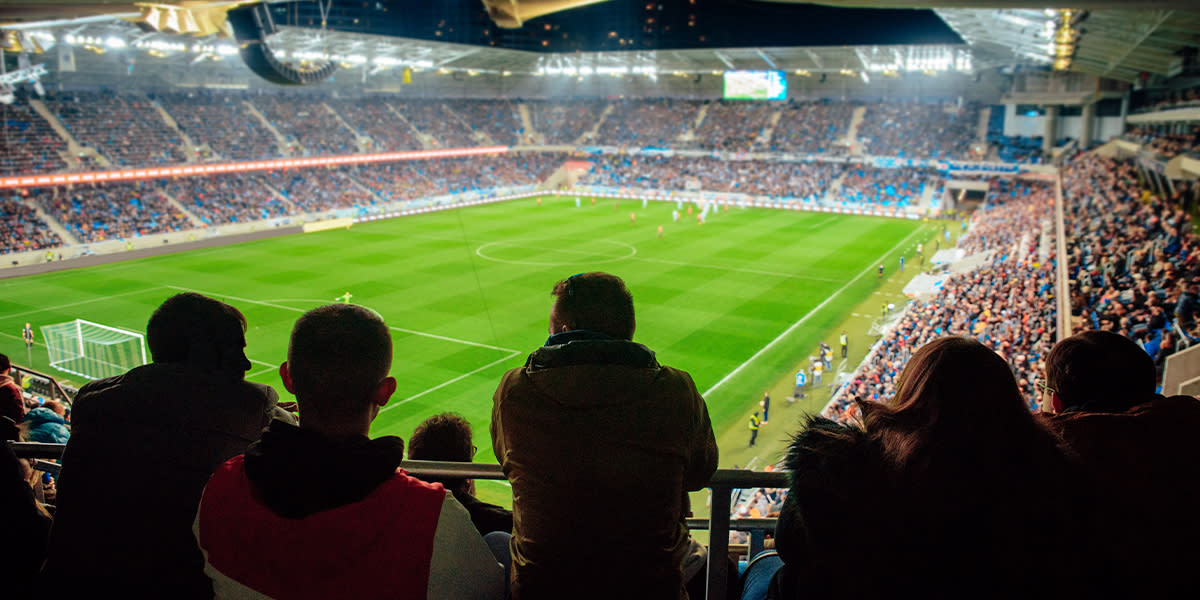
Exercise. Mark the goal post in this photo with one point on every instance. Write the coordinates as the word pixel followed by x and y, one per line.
pixel 93 350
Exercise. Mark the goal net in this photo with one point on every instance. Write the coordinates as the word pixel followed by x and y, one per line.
pixel 93 350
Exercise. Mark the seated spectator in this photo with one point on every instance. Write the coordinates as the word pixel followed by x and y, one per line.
pixel 12 399
pixel 25 524
pixel 1140 447
pixel 141 448
pixel 47 424
pixel 321 511
pixel 447 437
pixel 951 489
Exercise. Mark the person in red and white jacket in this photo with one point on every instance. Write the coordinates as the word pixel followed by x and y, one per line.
pixel 322 511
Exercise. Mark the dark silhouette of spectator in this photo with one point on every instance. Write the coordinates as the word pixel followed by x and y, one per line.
pixel 447 437
pixel 12 400
pixel 951 489
pixel 24 522
pixel 591 422
pixel 142 446
pixel 320 510
pixel 1142 450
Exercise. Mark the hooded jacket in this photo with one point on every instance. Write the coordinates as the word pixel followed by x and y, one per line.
pixel 304 516
pixel 44 425
pixel 12 400
pixel 601 444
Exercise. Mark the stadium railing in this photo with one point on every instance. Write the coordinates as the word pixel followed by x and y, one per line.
pixel 722 484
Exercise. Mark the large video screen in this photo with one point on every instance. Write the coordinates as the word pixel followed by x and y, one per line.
pixel 755 85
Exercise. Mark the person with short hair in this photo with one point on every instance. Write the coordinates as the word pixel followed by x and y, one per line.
pixel 1141 449
pixel 320 510
pixel 142 446
pixel 447 437
pixel 592 422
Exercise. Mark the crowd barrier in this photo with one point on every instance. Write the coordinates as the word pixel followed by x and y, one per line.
pixel 722 484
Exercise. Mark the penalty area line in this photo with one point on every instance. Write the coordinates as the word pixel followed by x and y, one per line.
pixel 443 384
pixel 803 319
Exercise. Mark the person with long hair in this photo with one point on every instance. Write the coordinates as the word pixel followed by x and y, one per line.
pixel 950 488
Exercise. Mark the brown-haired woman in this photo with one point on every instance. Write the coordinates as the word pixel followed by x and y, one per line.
pixel 949 489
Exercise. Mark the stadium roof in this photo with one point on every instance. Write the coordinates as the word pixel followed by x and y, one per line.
pixel 1118 43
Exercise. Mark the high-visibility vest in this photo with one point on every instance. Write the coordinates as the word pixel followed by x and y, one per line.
pixel 843 339
pixel 754 421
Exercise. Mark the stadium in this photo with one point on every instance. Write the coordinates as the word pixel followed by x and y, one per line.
pixel 803 200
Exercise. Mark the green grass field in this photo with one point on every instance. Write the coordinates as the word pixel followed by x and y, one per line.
pixel 738 302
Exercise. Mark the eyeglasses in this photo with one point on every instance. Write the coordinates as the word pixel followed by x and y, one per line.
pixel 1045 387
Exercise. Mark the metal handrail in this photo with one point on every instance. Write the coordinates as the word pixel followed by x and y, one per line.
pixel 722 484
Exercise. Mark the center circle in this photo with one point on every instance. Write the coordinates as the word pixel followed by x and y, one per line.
pixel 548 247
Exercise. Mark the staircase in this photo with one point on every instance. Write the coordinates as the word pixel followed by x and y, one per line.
pixel 527 123
pixel 363 142
pixel 179 205
pixel 764 138
pixel 926 200
pixel 50 221
pixel 851 138
pixel 427 141
pixel 291 206
pixel 590 134
pixel 833 192
pixel 74 148
pixel 280 142
pixel 985 115
pixel 189 147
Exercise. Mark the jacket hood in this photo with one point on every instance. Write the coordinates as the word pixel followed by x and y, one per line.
pixel 41 415
pixel 297 472
pixel 593 372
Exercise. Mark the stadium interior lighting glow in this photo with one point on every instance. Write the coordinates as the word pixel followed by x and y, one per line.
pixel 261 165
pixel 114 42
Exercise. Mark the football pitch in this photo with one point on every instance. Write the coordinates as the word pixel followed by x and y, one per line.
pixel 738 302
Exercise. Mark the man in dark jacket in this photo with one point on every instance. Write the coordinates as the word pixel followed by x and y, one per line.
pixel 12 400
pixel 601 444
pixel 142 446
pixel 1139 447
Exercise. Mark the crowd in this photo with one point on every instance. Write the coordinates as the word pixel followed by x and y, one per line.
pixel 914 129
pixel 813 127
pixel 565 122
pixel 1008 304
pixel 734 126
pixel 648 123
pixel 373 118
pixel 1171 100
pixel 230 198
pixel 21 229
pixel 306 124
pixel 1166 141
pixel 498 119
pixel 1133 257
pixel 27 144
pixel 886 187
pixel 432 118
pixel 125 128
pixel 320 189
pixel 800 181
pixel 220 121
pixel 99 212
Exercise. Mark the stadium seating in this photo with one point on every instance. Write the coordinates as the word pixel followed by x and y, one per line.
pixel 886 187
pixel 125 128
pixel 373 118
pixel 232 198
pixel 563 122
pixel 21 229
pixel 914 129
pixel 734 125
pixel 648 123
pixel 315 190
pixel 221 121
pixel 498 119
pixel 1165 142
pixel 813 127
pixel 99 212
pixel 27 143
pixel 303 120
pixel 801 181
pixel 431 118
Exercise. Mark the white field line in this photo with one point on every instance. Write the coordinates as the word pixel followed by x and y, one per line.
pixel 393 328
pixel 806 316
pixel 822 223
pixel 80 303
pixel 439 386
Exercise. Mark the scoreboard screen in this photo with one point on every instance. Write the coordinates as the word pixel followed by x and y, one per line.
pixel 755 85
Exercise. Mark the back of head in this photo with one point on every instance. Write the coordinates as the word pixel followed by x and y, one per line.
pixel 954 392
pixel 5 364
pixel 442 437
pixel 198 330
pixel 337 355
pixel 1100 371
pixel 596 302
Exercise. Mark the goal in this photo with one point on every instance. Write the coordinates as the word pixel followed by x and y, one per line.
pixel 93 350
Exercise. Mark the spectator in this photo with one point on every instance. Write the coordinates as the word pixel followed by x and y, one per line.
pixel 25 523
pixel 12 399
pixel 1140 447
pixel 141 448
pixel 447 437
pixel 950 486
pixel 321 511
pixel 47 424
pixel 591 422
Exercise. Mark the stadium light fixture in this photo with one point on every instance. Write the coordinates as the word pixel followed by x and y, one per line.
pixel 114 42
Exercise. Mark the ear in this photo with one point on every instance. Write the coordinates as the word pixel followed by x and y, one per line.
pixel 286 375
pixel 383 392
pixel 1056 402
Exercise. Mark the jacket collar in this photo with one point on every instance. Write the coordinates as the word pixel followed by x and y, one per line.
pixel 581 347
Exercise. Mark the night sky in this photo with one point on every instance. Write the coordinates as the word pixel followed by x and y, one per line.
pixel 634 25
